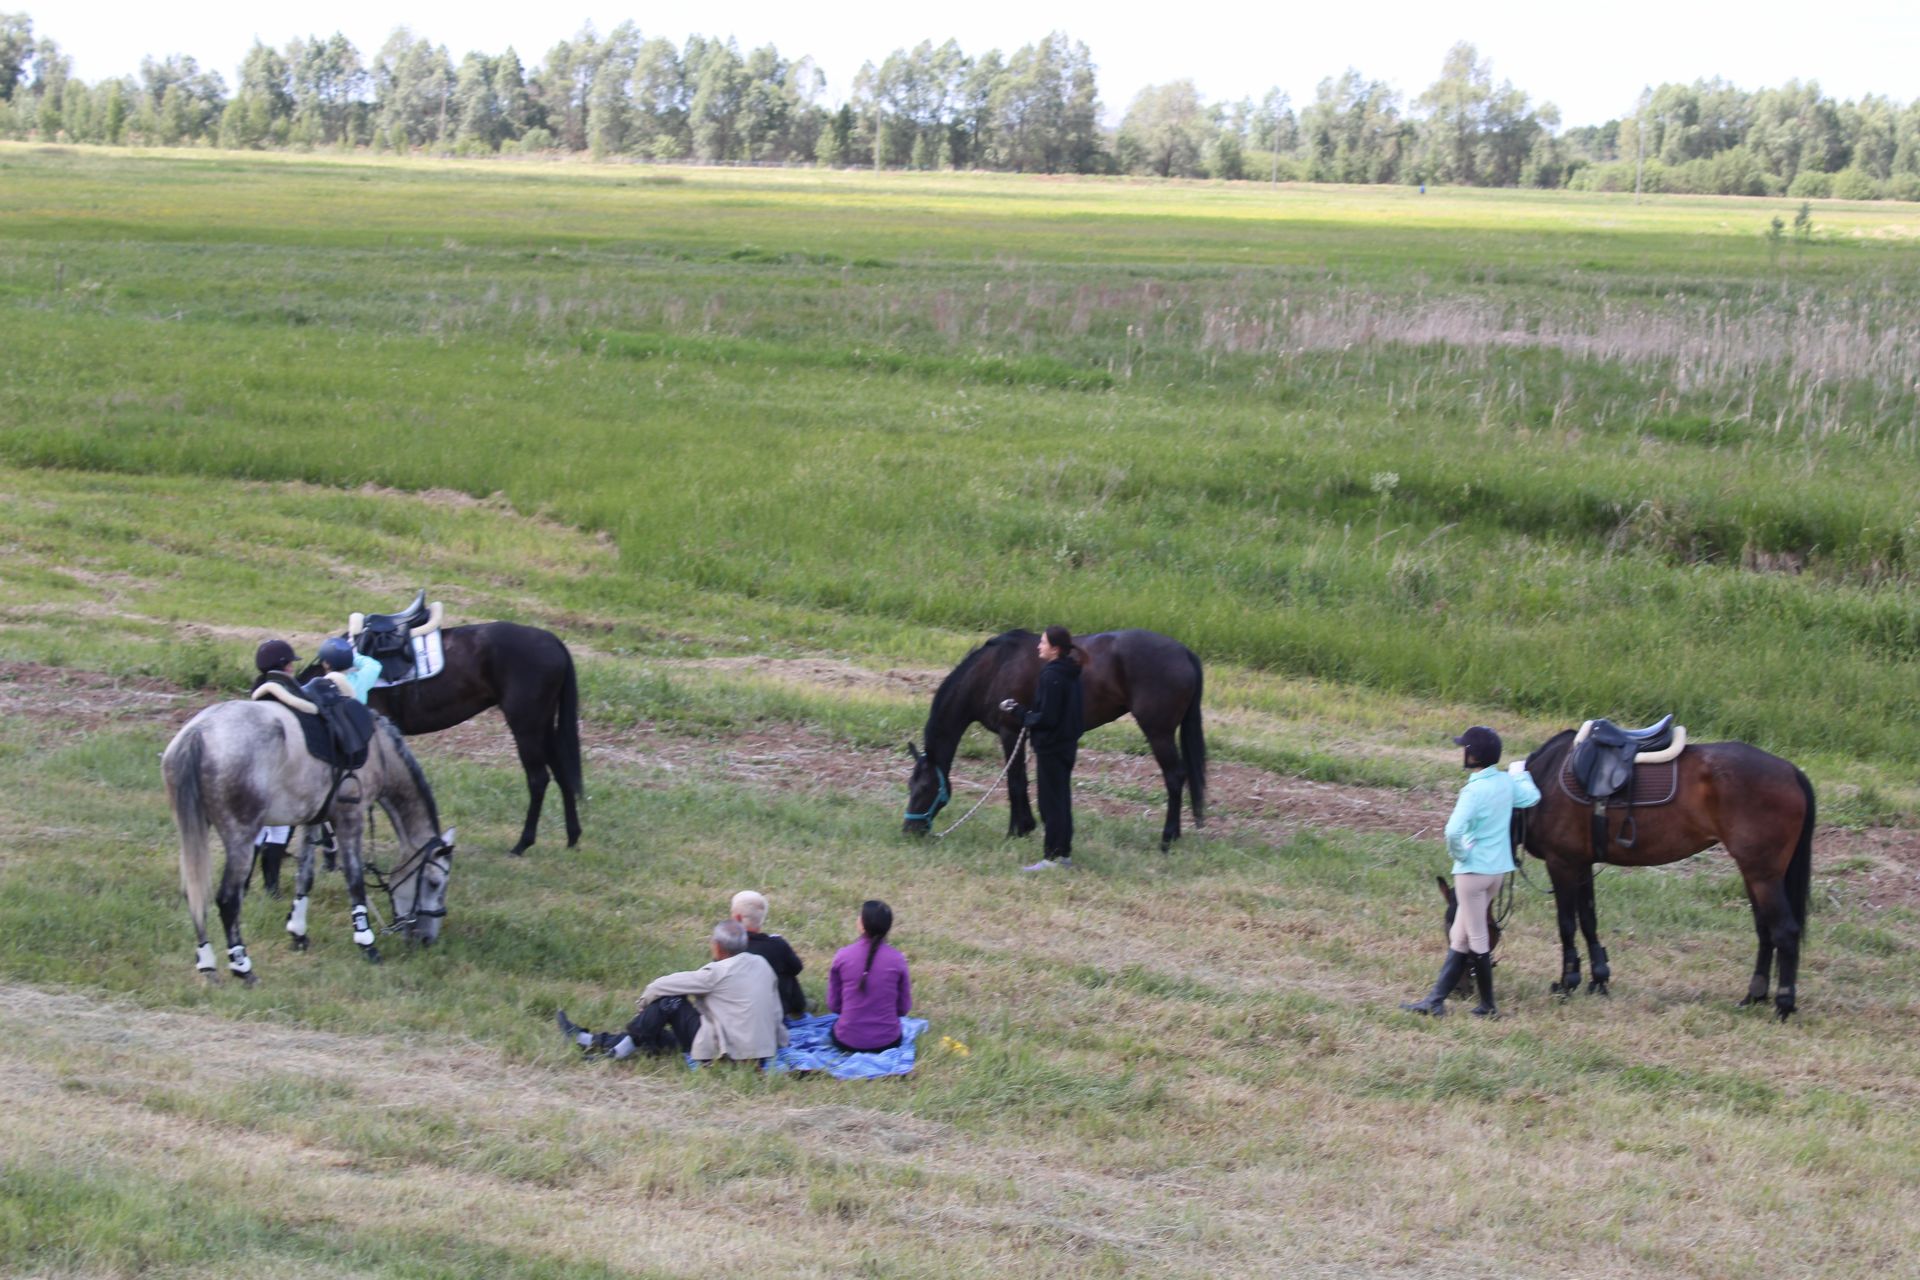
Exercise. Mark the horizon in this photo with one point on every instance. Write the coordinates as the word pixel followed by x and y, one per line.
pixel 1568 65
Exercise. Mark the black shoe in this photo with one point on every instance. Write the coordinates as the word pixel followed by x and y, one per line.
pixel 1483 976
pixel 1436 1000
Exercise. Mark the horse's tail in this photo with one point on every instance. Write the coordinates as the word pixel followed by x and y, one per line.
pixel 1799 876
pixel 1193 747
pixel 563 745
pixel 190 815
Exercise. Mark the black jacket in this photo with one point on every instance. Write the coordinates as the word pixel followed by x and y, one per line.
pixel 1057 720
pixel 280 678
pixel 786 963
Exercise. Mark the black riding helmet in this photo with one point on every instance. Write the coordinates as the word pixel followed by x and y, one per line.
pixel 1482 747
pixel 273 655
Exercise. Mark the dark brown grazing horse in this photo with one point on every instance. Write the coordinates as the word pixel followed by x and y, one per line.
pixel 1760 807
pixel 528 674
pixel 1156 678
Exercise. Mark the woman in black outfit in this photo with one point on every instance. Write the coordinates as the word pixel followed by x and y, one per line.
pixel 1054 726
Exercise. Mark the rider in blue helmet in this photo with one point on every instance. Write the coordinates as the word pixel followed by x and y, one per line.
pixel 338 655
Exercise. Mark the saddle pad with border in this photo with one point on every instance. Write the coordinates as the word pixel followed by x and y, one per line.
pixel 429 659
pixel 1653 784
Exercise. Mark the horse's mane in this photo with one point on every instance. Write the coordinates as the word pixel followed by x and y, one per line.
pixel 952 688
pixel 1558 740
pixel 399 741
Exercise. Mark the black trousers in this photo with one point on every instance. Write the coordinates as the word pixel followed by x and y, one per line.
pixel 1053 788
pixel 667 1024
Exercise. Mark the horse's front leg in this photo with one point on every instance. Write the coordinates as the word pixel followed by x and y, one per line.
pixel 1019 808
pixel 302 890
pixel 1590 930
pixel 1566 905
pixel 350 828
pixel 233 888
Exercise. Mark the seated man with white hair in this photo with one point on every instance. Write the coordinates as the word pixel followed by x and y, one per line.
pixel 729 1008
pixel 750 909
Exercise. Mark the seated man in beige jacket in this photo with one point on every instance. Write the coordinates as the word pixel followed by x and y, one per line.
pixel 727 1009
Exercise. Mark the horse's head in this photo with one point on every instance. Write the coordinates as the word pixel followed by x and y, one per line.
pixel 927 793
pixel 419 889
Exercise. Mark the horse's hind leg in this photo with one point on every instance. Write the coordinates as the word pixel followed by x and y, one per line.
pixel 302 888
pixel 1174 775
pixel 233 886
pixel 1779 933
pixel 533 759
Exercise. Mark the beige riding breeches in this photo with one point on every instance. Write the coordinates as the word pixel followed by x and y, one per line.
pixel 1470 931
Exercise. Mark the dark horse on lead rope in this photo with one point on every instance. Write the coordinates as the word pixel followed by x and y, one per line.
pixel 528 674
pixel 1156 678
pixel 1760 807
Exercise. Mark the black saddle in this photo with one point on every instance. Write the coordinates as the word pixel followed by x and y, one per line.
pixel 388 637
pixel 1603 760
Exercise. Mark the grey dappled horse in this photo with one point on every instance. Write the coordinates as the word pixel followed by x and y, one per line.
pixel 239 766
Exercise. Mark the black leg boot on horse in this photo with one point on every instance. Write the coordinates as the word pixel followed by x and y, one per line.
pixel 1451 970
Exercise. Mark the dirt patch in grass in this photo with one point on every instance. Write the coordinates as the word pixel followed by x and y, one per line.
pixel 1878 867
pixel 829 673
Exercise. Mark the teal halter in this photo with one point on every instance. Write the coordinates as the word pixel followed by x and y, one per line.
pixel 939 801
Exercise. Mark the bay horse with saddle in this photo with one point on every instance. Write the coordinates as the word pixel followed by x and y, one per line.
pixel 1647 797
pixel 1155 678
pixel 525 671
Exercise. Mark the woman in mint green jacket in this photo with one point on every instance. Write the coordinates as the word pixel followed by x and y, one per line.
pixel 1479 838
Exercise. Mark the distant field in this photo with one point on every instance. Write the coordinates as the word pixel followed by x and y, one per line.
pixel 772 450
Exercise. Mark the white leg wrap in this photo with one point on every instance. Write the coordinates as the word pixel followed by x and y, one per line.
pixel 203 958
pixel 237 960
pixel 297 918
pixel 362 933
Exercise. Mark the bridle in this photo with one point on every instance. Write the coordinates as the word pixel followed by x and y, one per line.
pixel 939 801
pixel 421 858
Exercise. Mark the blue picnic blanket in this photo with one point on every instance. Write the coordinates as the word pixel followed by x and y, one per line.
pixel 811 1050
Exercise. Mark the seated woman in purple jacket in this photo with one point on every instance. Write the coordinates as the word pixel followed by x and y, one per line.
pixel 868 986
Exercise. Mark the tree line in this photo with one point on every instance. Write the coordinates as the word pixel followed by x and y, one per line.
pixel 939 107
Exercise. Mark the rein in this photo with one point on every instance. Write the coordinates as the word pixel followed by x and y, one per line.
pixel 419 862
pixel 1018 744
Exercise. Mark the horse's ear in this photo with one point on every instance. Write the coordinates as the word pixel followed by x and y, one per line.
pixel 913 751
pixel 1446 890
pixel 446 837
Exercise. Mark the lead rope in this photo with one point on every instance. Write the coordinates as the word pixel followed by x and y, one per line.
pixel 1012 755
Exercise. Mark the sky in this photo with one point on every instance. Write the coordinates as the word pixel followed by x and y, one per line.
pixel 1591 60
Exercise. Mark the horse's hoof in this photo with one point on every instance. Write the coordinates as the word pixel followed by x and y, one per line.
pixel 251 978
pixel 212 976
pixel 299 941
pixel 1565 986
pixel 1781 1015
pixel 1750 1001
pixel 1598 987
pixel 373 954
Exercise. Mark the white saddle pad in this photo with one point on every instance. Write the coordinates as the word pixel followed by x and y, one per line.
pixel 429 658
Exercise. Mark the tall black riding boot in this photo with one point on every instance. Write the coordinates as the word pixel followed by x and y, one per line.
pixel 1483 977
pixel 1450 971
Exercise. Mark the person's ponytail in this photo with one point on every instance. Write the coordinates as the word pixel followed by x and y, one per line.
pixel 876 919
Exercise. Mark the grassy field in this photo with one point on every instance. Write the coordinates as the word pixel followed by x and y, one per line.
pixel 772 450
